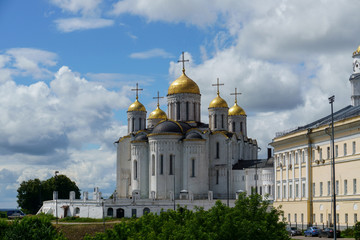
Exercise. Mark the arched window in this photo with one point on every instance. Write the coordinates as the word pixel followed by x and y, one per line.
pixel 192 167
pixel 215 121
pixel 110 212
pixel 77 211
pixel 161 164
pixel 132 124
pixel 146 211
pixel 153 165
pixel 171 171
pixel 217 176
pixel 178 111
pixel 135 170
pixel 187 111
pixel 140 123
pixel 222 120
pixel 241 126
pixel 217 150
pixel 234 126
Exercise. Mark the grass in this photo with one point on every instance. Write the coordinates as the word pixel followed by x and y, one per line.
pixel 78 231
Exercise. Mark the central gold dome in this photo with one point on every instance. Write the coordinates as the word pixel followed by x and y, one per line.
pixel 157 114
pixel 136 107
pixel 218 102
pixel 236 110
pixel 183 85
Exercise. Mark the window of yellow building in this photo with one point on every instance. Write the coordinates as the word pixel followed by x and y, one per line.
pixel 353 147
pixel 328 152
pixel 345 149
pixel 321 218
pixel 328 188
pixel 336 150
pixel 303 190
pixel 297 190
pixel 321 189
pixel 354 185
pixel 345 187
pixel 337 187
pixel 320 154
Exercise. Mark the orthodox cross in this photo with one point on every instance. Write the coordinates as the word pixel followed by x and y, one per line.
pixel 183 61
pixel 235 93
pixel 218 85
pixel 137 89
pixel 158 98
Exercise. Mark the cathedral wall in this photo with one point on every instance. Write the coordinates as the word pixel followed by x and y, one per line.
pixel 220 164
pixel 123 168
pixel 162 175
pixel 140 168
pixel 195 177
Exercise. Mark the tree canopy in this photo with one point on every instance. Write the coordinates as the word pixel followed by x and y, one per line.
pixel 250 219
pixel 33 192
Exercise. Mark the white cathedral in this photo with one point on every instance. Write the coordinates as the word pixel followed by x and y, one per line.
pixel 176 159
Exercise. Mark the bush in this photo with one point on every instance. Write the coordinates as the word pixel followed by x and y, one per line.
pixel 31 228
pixel 348 233
pixel 250 219
pixel 357 231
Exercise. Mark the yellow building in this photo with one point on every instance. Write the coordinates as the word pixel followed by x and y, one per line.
pixel 302 166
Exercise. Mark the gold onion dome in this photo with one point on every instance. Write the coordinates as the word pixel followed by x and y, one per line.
pixel 157 114
pixel 136 107
pixel 218 102
pixel 236 110
pixel 183 85
pixel 357 51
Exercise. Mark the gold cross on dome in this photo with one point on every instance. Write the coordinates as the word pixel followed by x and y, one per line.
pixel 158 98
pixel 137 89
pixel 183 61
pixel 218 85
pixel 235 93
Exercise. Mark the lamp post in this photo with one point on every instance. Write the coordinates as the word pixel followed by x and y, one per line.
pixel 56 196
pixel 331 101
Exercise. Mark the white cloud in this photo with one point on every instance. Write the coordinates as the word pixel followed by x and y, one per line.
pixel 86 7
pixel 26 62
pixel 152 53
pixel 75 24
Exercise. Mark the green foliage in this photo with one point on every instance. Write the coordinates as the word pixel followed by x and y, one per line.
pixel 250 219
pixel 30 228
pixel 33 192
pixel 348 233
pixel 357 231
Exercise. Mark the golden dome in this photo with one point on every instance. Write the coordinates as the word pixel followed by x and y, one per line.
pixel 136 107
pixel 157 114
pixel 357 51
pixel 236 110
pixel 183 85
pixel 218 102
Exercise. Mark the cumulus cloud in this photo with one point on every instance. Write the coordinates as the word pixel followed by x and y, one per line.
pixel 26 62
pixel 152 53
pixel 74 24
pixel 85 7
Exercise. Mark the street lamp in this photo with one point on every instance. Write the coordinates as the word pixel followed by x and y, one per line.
pixel 56 196
pixel 331 101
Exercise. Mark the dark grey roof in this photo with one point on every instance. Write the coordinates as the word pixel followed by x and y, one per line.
pixel 193 135
pixel 169 126
pixel 141 137
pixel 256 163
pixel 346 112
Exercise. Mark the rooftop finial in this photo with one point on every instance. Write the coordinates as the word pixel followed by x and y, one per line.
pixel 218 85
pixel 235 93
pixel 183 61
pixel 158 98
pixel 137 89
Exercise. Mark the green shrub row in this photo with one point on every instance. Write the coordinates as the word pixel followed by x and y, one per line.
pixel 250 219
pixel 29 228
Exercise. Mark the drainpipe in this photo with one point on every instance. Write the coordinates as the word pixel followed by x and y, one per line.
pixel 310 180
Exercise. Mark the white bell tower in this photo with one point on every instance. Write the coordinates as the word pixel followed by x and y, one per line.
pixel 355 79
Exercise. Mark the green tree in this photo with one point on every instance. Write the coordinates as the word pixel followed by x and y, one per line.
pixel 33 192
pixel 251 218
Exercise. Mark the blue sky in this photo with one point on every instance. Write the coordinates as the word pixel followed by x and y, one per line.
pixel 67 67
